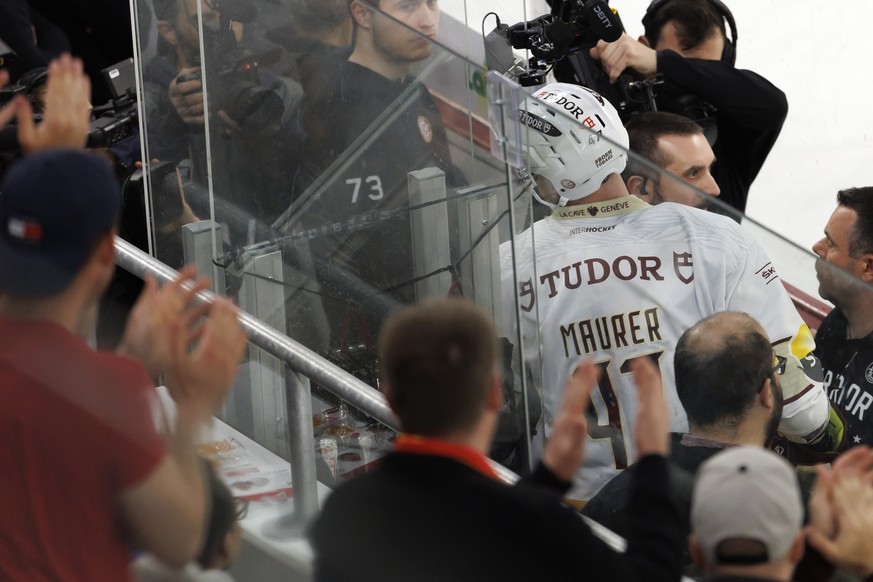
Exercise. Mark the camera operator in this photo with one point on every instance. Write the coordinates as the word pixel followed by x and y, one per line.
pixel 249 109
pixel 686 42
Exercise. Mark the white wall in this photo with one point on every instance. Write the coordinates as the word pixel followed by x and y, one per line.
pixel 814 51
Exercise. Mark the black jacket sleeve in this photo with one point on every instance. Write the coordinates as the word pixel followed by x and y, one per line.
pixel 750 113
pixel 543 478
pixel 655 541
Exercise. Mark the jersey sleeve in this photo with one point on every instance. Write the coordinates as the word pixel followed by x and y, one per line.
pixel 758 291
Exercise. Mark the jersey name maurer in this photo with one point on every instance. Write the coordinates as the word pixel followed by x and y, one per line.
pixel 611 332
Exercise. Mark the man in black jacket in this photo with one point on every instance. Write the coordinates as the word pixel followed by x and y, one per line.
pixel 686 42
pixel 435 510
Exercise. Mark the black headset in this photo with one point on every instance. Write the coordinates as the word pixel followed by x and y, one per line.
pixel 729 54
pixel 29 82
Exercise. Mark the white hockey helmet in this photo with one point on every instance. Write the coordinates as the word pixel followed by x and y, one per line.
pixel 574 160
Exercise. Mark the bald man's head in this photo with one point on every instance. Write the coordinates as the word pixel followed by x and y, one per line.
pixel 721 363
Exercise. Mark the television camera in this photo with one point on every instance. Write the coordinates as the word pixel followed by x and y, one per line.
pixel 111 123
pixel 562 40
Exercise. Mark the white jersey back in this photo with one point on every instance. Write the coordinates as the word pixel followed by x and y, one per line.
pixel 619 280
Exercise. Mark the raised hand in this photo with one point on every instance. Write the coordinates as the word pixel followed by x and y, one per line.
pixel 201 377
pixel 67 109
pixel 625 53
pixel 161 317
pixel 651 434
pixel 565 448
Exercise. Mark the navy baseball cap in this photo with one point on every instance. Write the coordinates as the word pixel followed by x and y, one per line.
pixel 53 207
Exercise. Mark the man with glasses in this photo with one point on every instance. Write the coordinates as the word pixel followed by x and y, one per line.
pixel 729 382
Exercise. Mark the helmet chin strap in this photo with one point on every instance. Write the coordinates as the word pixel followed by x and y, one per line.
pixel 562 201
pixel 541 200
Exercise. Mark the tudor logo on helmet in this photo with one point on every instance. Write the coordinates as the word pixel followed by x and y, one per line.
pixel 584 144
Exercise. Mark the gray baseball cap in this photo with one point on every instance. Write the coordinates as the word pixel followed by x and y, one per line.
pixel 746 493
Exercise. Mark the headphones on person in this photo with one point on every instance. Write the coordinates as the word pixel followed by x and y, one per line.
pixel 729 54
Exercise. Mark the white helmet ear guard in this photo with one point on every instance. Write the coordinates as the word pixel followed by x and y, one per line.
pixel 565 143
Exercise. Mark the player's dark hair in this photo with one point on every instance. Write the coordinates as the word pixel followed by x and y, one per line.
pixel 438 360
pixel 720 364
pixel 694 20
pixel 644 130
pixel 861 201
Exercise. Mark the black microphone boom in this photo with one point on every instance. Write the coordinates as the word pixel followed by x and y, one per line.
pixel 607 22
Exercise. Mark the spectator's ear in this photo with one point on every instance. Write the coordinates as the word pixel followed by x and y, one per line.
pixel 765 395
pixel 494 399
pixel 362 14
pixel 644 40
pixel 636 185
pixel 865 267
pixel 104 250
pixel 696 553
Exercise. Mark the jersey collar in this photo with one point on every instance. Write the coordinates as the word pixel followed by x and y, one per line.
pixel 420 445
pixel 602 209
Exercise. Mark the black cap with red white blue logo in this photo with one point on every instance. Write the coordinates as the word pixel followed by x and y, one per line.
pixel 54 206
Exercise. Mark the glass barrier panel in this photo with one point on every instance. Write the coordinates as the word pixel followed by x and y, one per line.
pixel 329 194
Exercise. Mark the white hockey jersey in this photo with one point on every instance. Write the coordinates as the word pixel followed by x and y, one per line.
pixel 619 280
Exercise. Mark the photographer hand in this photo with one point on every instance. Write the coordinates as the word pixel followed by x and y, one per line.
pixel 625 53
pixel 186 95
pixel 67 109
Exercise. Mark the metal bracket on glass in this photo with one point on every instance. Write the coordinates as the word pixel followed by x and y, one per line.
pixel 198 250
pixel 479 242
pixel 263 295
pixel 505 97
pixel 429 222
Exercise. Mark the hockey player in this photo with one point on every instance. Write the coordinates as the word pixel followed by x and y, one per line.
pixel 609 277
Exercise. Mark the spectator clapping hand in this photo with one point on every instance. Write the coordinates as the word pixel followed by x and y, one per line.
pixel 67 109
pixel 566 446
pixel 841 512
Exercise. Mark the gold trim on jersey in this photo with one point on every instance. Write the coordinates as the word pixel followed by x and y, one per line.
pixel 612 207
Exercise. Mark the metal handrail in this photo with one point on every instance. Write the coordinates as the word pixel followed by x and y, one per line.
pixel 299 357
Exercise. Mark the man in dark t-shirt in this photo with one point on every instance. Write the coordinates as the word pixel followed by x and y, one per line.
pixel 369 123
